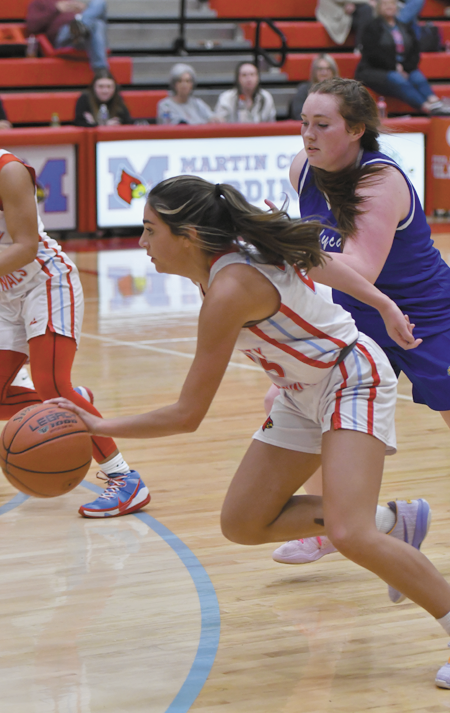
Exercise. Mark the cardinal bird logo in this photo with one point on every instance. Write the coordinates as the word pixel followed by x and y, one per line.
pixel 130 187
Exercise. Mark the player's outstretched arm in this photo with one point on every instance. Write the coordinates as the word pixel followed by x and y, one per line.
pixel 239 294
pixel 340 276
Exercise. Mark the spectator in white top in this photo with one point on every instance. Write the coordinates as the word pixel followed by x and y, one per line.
pixel 246 103
pixel 181 107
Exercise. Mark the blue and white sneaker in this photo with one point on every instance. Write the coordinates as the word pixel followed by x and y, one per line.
pixel 413 519
pixel 125 493
pixel 85 393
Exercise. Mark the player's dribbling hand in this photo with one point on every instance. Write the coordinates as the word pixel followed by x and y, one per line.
pixel 93 423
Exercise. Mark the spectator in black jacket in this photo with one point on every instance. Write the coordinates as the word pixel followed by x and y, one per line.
pixel 102 103
pixel 390 59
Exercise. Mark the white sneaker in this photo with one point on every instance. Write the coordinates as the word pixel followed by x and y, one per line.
pixel 442 679
pixel 413 519
pixel 303 551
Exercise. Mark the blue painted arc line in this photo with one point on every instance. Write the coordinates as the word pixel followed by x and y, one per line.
pixel 13 503
pixel 209 606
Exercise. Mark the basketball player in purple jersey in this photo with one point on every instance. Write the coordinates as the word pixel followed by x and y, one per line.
pixel 374 223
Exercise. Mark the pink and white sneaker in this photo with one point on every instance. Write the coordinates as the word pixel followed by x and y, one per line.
pixel 303 551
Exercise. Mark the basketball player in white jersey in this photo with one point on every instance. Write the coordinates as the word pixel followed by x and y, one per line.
pixel 337 388
pixel 41 310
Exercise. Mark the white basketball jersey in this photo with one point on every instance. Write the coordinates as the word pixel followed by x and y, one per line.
pixel 299 344
pixel 49 259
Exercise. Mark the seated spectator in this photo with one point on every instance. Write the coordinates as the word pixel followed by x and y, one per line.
pixel 71 23
pixel 101 103
pixel 181 107
pixel 322 67
pixel 4 123
pixel 390 58
pixel 339 18
pixel 246 103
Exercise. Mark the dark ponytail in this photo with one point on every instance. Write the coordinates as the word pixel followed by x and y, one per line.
pixel 224 220
pixel 356 106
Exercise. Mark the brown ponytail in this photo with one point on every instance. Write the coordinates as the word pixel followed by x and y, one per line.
pixel 223 219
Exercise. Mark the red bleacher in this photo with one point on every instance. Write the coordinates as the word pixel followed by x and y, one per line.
pixel 47 72
pixel 13 9
pixel 38 107
pixel 435 65
pixel 293 8
pixel 263 8
pixel 310 35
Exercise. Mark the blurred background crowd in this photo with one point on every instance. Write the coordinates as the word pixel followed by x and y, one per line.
pixel 202 69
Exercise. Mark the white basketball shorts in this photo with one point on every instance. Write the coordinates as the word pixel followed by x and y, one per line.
pixel 50 300
pixel 359 395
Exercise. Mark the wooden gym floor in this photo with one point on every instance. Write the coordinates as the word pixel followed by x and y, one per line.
pixel 125 615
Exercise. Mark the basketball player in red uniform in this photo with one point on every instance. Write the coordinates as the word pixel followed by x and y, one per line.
pixel 41 311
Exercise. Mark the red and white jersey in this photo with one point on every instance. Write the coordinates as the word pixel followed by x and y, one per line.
pixel 303 341
pixel 49 259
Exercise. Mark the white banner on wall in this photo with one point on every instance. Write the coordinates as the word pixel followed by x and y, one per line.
pixel 56 174
pixel 257 165
pixel 408 150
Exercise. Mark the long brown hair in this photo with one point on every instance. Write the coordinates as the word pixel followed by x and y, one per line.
pixel 356 106
pixel 224 220
pixel 115 105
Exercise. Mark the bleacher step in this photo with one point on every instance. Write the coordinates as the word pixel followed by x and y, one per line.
pixel 152 9
pixel 211 69
pixel 140 37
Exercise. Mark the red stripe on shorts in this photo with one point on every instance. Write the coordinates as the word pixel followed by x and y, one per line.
pixel 49 293
pixel 373 389
pixel 69 282
pixel 336 418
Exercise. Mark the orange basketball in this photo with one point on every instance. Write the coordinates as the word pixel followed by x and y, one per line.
pixel 45 450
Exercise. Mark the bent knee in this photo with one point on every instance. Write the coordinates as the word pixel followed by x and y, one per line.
pixel 352 542
pixel 240 530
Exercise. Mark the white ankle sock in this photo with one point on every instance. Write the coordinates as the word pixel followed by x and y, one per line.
pixel 384 519
pixel 445 623
pixel 115 465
